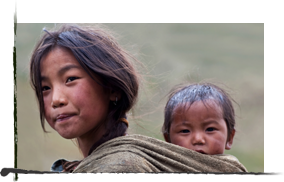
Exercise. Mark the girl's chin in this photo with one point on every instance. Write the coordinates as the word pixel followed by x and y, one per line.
pixel 63 132
pixel 67 136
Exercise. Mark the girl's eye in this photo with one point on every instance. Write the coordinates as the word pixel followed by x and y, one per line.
pixel 70 79
pixel 184 131
pixel 210 129
pixel 45 88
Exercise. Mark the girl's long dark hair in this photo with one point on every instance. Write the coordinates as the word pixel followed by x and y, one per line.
pixel 98 53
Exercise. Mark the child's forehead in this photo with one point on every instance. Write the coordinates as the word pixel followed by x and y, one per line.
pixel 209 104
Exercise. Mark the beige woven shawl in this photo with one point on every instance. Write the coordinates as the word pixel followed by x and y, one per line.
pixel 140 154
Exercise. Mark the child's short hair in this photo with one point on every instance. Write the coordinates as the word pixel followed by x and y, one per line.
pixel 98 53
pixel 186 95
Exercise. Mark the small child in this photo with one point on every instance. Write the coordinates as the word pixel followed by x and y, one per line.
pixel 200 117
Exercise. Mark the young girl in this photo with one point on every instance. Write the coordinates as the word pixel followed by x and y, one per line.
pixel 200 117
pixel 85 84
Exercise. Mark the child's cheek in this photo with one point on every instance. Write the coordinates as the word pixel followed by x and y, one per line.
pixel 217 146
pixel 179 141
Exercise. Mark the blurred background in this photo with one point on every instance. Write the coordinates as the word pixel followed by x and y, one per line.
pixel 231 55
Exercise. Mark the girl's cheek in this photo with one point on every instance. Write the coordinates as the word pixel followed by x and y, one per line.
pixel 47 118
pixel 47 113
pixel 50 124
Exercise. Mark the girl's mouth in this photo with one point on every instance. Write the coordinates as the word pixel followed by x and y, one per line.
pixel 63 117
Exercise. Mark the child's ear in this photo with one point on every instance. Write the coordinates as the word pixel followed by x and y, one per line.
pixel 114 94
pixel 167 137
pixel 230 140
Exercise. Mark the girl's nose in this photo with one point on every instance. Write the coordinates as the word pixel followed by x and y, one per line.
pixel 58 98
pixel 198 139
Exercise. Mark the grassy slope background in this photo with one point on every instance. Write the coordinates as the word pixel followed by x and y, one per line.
pixel 232 54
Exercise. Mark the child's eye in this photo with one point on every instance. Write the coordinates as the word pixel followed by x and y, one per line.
pixel 210 129
pixel 70 79
pixel 45 88
pixel 184 131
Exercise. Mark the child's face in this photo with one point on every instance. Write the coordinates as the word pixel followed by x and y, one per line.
pixel 74 104
pixel 200 128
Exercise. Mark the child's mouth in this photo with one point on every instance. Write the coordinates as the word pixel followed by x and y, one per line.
pixel 200 151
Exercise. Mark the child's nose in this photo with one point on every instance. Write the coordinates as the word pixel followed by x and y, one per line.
pixel 198 139
pixel 58 98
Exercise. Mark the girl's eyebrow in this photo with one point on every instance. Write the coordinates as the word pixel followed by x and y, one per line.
pixel 62 70
pixel 66 68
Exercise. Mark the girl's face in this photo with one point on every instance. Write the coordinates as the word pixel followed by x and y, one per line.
pixel 200 128
pixel 75 105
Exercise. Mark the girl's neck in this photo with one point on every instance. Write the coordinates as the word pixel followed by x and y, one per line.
pixel 87 140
